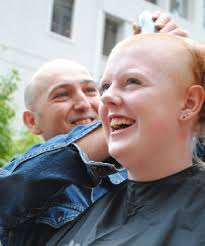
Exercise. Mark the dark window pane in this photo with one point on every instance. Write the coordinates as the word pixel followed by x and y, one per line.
pixel 62 17
pixel 152 1
pixel 110 35
pixel 179 7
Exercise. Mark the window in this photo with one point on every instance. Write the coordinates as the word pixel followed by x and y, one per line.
pixel 62 17
pixel 179 7
pixel 110 34
pixel 152 1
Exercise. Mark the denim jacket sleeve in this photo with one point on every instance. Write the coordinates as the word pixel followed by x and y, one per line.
pixel 200 149
pixel 30 180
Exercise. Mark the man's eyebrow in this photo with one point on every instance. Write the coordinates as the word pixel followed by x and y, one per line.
pixel 55 87
pixel 63 84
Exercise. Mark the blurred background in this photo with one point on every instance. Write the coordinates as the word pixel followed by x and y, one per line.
pixel 33 32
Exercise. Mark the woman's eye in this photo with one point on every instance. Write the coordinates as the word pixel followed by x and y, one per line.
pixel 133 81
pixel 91 90
pixel 103 88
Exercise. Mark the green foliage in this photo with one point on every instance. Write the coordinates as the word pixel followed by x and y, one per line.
pixel 25 140
pixel 8 85
pixel 9 143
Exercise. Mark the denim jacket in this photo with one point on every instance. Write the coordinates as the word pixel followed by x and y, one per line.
pixel 50 185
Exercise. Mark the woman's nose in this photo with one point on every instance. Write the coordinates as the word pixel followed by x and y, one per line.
pixel 111 96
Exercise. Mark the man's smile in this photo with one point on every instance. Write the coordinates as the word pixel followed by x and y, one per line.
pixel 83 121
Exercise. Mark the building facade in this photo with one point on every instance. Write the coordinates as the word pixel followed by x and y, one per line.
pixel 33 32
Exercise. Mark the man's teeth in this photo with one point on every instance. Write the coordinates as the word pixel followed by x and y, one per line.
pixel 82 122
pixel 121 122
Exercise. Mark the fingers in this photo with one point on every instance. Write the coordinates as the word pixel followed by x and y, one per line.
pixel 162 20
pixel 180 32
pixel 155 15
pixel 165 24
pixel 168 27
pixel 135 28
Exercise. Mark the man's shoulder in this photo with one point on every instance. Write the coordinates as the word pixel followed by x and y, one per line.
pixel 19 158
pixel 53 144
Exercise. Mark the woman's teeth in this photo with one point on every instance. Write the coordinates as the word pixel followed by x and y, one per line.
pixel 117 123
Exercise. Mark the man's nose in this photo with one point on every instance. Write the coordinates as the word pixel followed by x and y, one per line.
pixel 82 103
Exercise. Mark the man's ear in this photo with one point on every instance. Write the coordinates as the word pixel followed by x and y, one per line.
pixel 30 121
pixel 194 100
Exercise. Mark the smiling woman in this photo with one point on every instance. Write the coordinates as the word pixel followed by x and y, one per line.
pixel 152 103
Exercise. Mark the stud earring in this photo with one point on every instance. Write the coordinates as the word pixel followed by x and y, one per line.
pixel 184 115
pixel 36 127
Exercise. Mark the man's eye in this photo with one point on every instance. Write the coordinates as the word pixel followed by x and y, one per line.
pixel 103 88
pixel 133 81
pixel 61 94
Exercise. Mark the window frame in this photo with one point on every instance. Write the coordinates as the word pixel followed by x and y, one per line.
pixel 182 11
pixel 152 1
pixel 57 34
pixel 119 23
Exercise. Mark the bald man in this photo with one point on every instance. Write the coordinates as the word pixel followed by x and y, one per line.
pixel 60 95
pixel 53 183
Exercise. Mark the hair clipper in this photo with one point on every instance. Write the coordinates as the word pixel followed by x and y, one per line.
pixel 146 23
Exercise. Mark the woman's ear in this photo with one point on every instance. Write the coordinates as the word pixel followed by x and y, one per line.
pixel 194 100
pixel 30 121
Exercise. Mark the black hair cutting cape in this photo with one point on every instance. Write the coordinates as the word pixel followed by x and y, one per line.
pixel 169 211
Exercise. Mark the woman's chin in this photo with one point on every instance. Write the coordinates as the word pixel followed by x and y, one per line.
pixel 117 153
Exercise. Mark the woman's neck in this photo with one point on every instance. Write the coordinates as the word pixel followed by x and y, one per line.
pixel 171 159
pixel 152 174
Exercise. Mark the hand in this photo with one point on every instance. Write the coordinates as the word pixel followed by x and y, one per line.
pixel 164 24
pixel 94 145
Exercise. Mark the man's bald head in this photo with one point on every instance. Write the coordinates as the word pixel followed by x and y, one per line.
pixel 46 73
